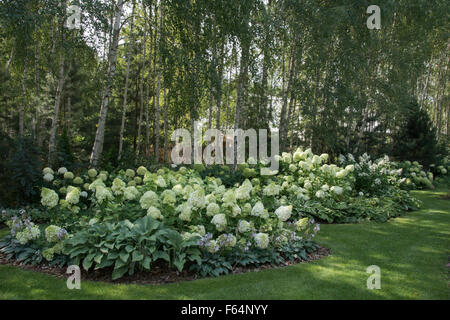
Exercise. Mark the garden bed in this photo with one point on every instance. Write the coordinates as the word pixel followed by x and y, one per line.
pixel 160 273
pixel 189 222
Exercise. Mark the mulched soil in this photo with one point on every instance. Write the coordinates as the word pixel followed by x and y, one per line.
pixel 158 275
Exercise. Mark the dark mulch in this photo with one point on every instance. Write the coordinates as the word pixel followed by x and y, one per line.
pixel 158 275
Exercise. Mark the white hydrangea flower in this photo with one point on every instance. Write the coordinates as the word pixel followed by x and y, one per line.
pixel 316 159
pixel 325 187
pixel 246 208
pixel 324 157
pixel 229 197
pixel 97 183
pixel 84 194
pixel 130 193
pixel 287 157
pixel 298 155
pixel 284 213
pixel 244 226
pixel 262 240
pixel 78 181
pixel 28 234
pixel 48 177
pixel 200 229
pixel 187 191
pixel 73 195
pixel 149 199
pixel 186 212
pixel 341 174
pixel 154 213
pixel 141 171
pixel 161 182
pixel 197 198
pixel 178 189
pixel 243 193
pixel 62 170
pixel 251 160
pixel 235 210
pixel 118 186
pixel 320 194
pixel 350 168
pixel 337 190
pixel 48 170
pixel 307 185
pixel 259 211
pixel 92 173
pixel 210 198
pixel 301 224
pixel 130 173
pixel 212 209
pixel 169 197
pixel 212 247
pixel 272 190
pixel 220 221
pixel 102 194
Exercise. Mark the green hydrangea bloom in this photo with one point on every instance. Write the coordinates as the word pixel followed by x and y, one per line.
pixel 220 222
pixel 55 234
pixel 118 186
pixel 69 175
pixel 92 173
pixel 48 171
pixel 48 254
pixel 141 171
pixel 130 193
pixel 130 173
pixel 49 198
pixel 78 181
pixel 155 213
pixel 73 195
pixel 149 199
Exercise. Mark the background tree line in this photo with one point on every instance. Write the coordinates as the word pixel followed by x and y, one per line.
pixel 111 93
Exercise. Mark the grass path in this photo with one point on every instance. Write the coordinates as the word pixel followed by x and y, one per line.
pixel 412 252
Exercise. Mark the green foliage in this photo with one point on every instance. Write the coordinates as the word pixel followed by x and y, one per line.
pixel 25 253
pixel 127 247
pixel 416 139
pixel 20 172
pixel 64 156
pixel 229 178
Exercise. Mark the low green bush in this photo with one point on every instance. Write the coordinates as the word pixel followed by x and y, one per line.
pixel 128 247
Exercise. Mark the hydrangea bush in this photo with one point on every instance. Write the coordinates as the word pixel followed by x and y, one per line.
pixel 28 243
pixel 232 218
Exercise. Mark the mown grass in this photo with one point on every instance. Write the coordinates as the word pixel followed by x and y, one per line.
pixel 412 252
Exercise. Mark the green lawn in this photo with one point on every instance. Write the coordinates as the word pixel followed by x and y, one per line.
pixel 411 251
